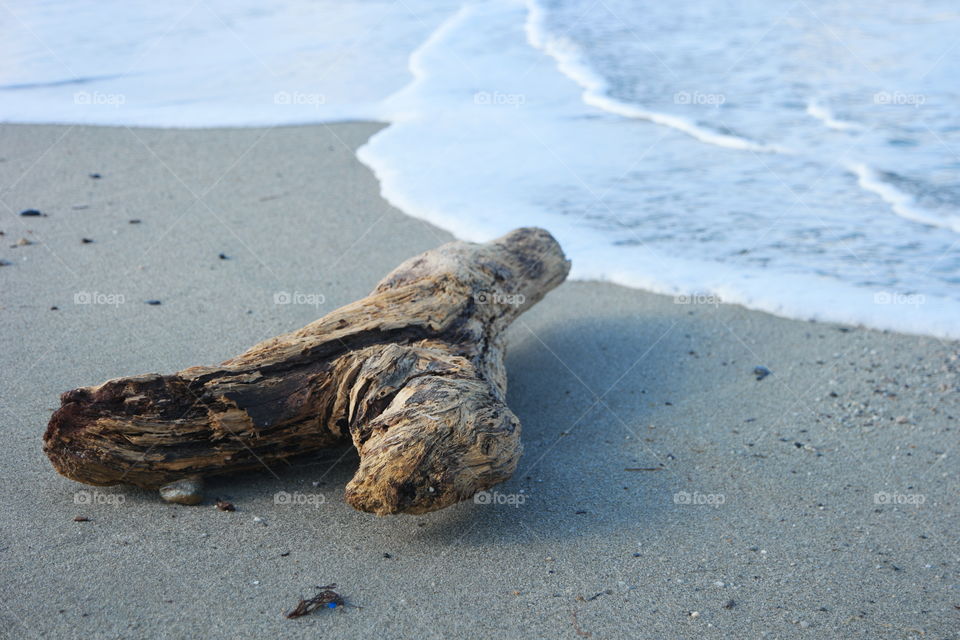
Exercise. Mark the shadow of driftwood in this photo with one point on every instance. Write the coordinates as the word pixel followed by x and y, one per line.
pixel 583 390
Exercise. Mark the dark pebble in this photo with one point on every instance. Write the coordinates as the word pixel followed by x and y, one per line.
pixel 135 221
pixel 95 176
pixel 154 302
pixel 54 308
pixel 31 213
pixel 81 519
pixel 86 240
pixel 224 256
pixel 730 604
pixel 761 372
pixel 5 263
pixel 387 555
pixel 223 505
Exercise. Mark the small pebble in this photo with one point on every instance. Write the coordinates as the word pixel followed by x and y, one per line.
pixel 153 303
pixel 86 240
pixel 31 213
pixel 134 221
pixel 187 491
pixel 387 555
pixel 694 614
pixel 224 256
pixel 259 520
pixel 95 176
pixel 23 242
pixel 223 505
pixel 81 519
pixel 54 308
pixel 761 372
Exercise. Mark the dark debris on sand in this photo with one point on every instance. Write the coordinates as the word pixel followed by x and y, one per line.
pixel 325 598
pixel 761 372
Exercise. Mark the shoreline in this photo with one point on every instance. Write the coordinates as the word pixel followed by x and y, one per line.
pixel 796 497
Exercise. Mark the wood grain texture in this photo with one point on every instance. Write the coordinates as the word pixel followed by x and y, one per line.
pixel 412 374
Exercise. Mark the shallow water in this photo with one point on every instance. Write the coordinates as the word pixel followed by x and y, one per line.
pixel 800 158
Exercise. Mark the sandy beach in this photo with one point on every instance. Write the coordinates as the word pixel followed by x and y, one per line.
pixel 667 489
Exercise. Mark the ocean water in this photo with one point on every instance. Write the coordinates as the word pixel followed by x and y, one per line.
pixel 801 158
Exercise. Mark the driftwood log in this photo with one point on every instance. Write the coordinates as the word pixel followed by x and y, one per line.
pixel 413 374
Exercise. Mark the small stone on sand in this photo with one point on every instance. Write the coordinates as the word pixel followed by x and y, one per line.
pixel 186 491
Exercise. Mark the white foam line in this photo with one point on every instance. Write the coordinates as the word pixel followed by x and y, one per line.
pixel 827 117
pixel 415 62
pixel 902 204
pixel 570 62
pixel 680 124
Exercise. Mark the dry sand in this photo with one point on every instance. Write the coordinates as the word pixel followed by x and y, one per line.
pixel 829 489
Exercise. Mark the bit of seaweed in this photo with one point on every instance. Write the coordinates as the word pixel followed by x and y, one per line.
pixel 326 597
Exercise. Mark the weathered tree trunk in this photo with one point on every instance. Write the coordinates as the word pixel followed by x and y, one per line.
pixel 413 374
